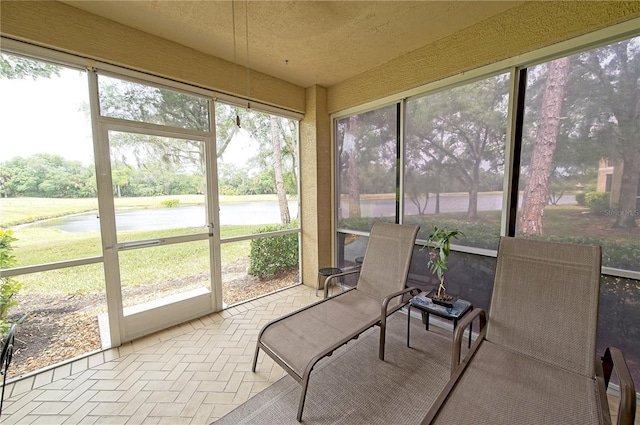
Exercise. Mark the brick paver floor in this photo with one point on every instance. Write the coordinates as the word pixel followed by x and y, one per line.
pixel 193 373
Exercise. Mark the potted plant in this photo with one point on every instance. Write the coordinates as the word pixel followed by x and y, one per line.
pixel 439 246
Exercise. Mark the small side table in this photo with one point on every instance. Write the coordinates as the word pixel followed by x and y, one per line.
pixel 324 273
pixel 427 307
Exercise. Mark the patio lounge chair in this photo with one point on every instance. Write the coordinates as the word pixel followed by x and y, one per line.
pixel 299 340
pixel 5 359
pixel 534 361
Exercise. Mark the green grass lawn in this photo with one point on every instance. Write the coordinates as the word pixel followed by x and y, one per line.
pixel 36 245
pixel 563 221
pixel 138 266
pixel 16 211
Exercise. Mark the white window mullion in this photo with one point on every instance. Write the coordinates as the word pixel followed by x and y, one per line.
pixel 106 211
pixel 402 160
pixel 213 209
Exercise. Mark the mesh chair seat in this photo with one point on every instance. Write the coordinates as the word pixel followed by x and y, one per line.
pixel 501 386
pixel 298 340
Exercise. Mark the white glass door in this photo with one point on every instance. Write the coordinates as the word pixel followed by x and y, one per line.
pixel 162 229
pixel 156 164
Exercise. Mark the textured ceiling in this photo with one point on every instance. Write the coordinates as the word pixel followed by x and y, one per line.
pixel 303 42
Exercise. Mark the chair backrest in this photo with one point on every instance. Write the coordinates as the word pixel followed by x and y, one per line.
pixel 545 302
pixel 386 263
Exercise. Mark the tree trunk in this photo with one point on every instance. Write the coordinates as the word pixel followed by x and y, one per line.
pixel 628 143
pixel 472 208
pixel 437 209
pixel 350 142
pixel 536 190
pixel 285 218
pixel 426 203
pixel 627 207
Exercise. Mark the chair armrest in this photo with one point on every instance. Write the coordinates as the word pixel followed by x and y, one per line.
pixel 384 312
pixel 388 298
pixel 333 276
pixel 459 334
pixel 613 359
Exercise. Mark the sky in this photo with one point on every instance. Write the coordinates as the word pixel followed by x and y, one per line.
pixel 50 115
pixel 46 115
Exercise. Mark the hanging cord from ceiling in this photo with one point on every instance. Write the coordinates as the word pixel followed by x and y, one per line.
pixel 235 57
pixel 246 19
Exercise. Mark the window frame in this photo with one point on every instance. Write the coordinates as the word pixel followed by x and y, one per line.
pixel 101 158
pixel 517 67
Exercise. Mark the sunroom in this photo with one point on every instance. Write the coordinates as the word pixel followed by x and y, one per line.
pixel 195 135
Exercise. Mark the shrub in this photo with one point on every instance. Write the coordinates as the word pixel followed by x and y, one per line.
pixel 225 189
pixel 598 202
pixel 9 287
pixel 615 253
pixel 362 223
pixel 580 199
pixel 170 203
pixel 475 234
pixel 272 255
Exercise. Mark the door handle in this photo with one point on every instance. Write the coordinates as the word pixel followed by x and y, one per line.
pixel 139 244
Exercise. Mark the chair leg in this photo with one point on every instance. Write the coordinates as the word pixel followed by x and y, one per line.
pixel 255 358
pixel 303 396
pixel 382 339
pixel 408 325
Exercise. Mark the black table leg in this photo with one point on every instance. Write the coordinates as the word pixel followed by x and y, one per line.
pixel 408 324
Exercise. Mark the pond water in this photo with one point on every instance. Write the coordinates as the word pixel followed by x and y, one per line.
pixel 238 213
pixel 265 212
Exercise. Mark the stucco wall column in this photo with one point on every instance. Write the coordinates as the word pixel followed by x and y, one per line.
pixel 315 182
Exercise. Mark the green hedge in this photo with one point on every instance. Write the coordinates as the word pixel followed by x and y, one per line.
pixel 598 202
pixel 273 255
pixel 616 254
pixel 170 203
pixel 9 287
pixel 476 234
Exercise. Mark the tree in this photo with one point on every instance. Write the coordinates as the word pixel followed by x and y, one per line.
pixel 226 127
pixel 350 145
pixel 48 176
pixel 367 147
pixel 538 183
pixel 17 68
pixel 5 177
pixel 613 72
pixel 459 134
pixel 575 158
pixel 139 102
pixel 600 120
pixel 121 176
pixel 277 141
pixel 277 168
pixel 424 166
pixel 133 101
